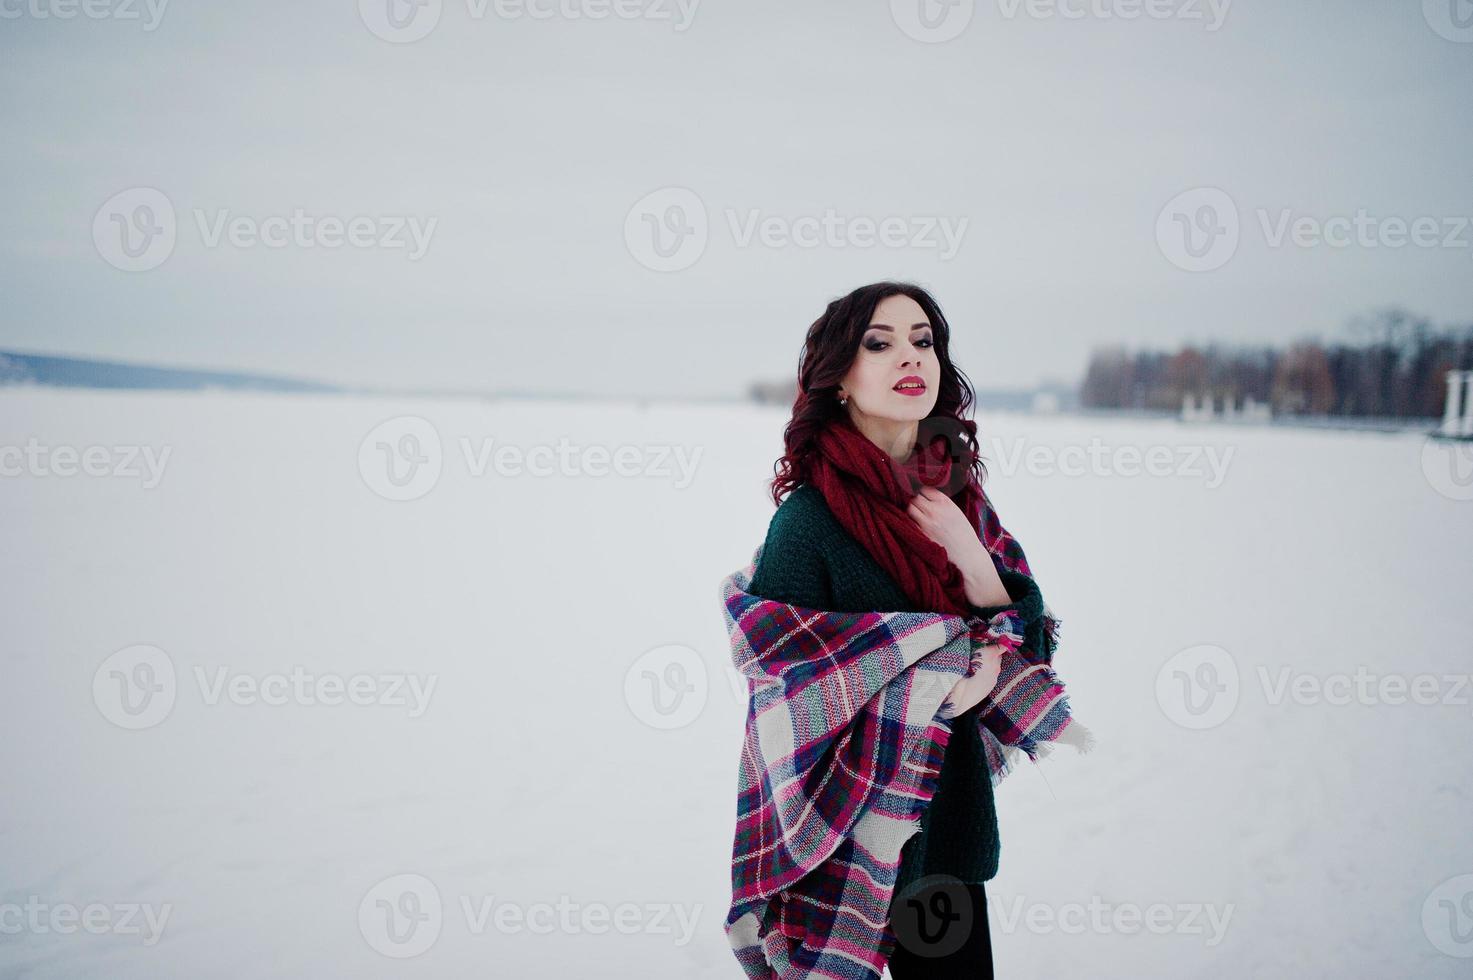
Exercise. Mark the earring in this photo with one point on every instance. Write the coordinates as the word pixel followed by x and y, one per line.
pixel 843 399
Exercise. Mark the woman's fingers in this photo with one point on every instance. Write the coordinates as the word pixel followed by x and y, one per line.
pixel 990 667
pixel 922 516
pixel 928 497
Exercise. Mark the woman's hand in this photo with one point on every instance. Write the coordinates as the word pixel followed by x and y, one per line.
pixel 969 691
pixel 943 521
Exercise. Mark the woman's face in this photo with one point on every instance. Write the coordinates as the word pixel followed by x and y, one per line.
pixel 897 348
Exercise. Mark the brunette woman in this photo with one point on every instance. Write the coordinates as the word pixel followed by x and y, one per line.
pixel 876 385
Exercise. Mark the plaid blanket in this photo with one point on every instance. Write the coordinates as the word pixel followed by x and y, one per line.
pixel 842 752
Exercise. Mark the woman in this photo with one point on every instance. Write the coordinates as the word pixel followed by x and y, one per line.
pixel 876 389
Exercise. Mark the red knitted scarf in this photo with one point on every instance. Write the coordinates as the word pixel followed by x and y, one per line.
pixel 869 492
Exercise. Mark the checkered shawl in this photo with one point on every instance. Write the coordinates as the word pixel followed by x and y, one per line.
pixel 844 740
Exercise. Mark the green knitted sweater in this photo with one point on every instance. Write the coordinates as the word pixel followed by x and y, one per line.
pixel 809 559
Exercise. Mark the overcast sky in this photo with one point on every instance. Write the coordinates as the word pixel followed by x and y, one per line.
pixel 581 186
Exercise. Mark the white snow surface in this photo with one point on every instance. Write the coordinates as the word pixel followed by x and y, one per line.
pixel 534 775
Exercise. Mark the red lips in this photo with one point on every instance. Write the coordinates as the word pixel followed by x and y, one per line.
pixel 911 379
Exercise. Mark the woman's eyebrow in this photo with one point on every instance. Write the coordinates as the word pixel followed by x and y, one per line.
pixel 890 329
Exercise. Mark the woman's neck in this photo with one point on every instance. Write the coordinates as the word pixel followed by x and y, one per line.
pixel 896 438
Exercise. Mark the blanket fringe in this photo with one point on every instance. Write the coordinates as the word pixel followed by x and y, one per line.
pixel 1077 735
pixel 1074 734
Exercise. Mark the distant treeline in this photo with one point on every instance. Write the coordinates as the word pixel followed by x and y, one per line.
pixel 1394 367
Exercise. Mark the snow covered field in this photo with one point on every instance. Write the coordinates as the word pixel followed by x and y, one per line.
pixel 253 677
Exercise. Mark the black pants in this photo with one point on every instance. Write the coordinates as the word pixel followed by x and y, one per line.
pixel 942 932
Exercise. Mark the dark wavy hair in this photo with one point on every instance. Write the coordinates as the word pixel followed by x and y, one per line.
pixel 830 348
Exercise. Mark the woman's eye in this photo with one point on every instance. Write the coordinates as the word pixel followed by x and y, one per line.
pixel 878 345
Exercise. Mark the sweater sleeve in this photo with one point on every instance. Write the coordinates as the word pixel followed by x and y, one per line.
pixel 792 568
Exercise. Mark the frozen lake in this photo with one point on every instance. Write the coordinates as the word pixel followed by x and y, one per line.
pixel 272 707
